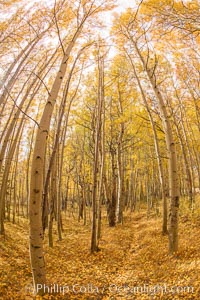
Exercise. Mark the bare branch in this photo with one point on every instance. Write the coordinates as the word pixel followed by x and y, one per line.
pixel 21 109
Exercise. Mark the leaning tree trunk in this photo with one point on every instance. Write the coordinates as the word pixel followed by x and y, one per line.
pixel 98 127
pixel 112 203
pixel 186 163
pixel 102 146
pixel 120 190
pixel 56 143
pixel 37 175
pixel 33 88
pixel 12 80
pixel 171 149
pixel 4 184
pixel 157 150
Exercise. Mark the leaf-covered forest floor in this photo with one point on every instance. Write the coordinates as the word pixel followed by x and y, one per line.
pixel 133 262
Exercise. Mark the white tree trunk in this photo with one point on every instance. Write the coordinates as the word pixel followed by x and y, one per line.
pixel 37 174
pixel 171 149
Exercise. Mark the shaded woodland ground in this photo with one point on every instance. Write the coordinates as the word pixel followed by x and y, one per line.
pixel 132 255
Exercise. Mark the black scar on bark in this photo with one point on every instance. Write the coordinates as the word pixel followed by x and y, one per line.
pixel 176 200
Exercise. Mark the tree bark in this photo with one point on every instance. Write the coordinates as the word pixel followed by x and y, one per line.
pixel 37 173
pixel 171 149
pixel 157 151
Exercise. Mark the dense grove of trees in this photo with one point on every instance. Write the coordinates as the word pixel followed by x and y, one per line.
pixel 93 124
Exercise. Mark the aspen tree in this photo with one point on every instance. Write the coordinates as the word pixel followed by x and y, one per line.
pixel 19 63
pixel 56 143
pixel 37 170
pixel 171 149
pixel 157 148
pixel 97 141
pixel 100 62
pixel 112 196
pixel 120 191
pixel 4 184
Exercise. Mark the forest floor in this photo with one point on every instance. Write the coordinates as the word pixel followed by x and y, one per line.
pixel 133 262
